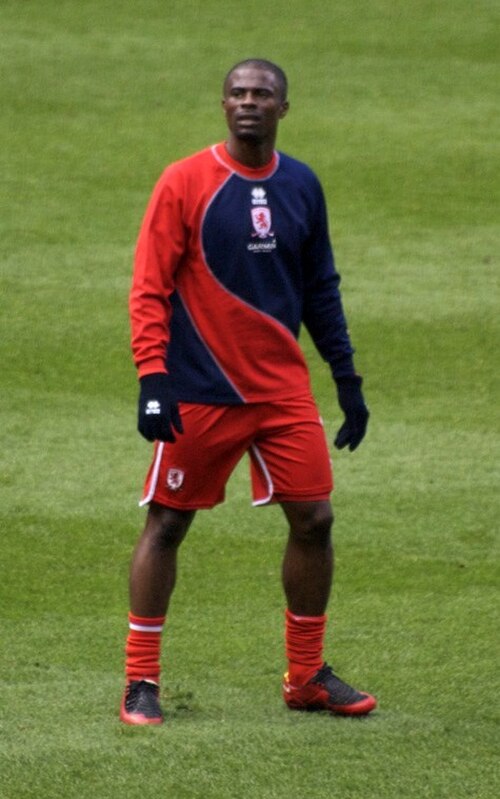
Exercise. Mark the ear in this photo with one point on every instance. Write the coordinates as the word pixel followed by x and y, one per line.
pixel 285 105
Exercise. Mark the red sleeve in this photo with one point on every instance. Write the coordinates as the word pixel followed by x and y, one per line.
pixel 159 248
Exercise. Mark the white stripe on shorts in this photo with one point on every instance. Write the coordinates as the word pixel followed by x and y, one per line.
pixel 154 477
pixel 265 472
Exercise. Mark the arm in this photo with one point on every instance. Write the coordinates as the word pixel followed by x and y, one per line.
pixel 159 248
pixel 324 318
pixel 323 314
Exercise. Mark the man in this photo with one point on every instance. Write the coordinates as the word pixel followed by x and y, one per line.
pixel 233 255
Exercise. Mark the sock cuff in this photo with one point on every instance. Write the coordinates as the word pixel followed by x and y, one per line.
pixel 146 624
pixel 292 617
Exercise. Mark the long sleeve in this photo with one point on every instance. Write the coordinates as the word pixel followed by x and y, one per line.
pixel 323 314
pixel 159 249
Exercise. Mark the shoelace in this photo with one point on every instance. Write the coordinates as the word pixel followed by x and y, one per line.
pixel 341 692
pixel 142 694
pixel 140 685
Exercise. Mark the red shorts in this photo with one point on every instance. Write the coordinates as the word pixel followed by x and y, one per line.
pixel 285 441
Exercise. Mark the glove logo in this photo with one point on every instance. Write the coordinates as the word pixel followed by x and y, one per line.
pixel 175 479
pixel 153 408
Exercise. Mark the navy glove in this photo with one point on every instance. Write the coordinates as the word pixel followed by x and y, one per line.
pixel 356 413
pixel 158 412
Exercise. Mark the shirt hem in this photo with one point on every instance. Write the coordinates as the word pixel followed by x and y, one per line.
pixel 252 399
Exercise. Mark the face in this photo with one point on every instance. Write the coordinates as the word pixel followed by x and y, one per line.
pixel 253 104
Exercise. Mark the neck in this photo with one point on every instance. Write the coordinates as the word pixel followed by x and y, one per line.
pixel 250 153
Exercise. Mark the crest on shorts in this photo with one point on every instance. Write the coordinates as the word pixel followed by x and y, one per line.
pixel 261 220
pixel 175 479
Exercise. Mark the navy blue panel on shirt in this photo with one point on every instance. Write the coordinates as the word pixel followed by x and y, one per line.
pixel 254 237
pixel 195 374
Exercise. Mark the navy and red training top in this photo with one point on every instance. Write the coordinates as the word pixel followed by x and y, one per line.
pixel 229 262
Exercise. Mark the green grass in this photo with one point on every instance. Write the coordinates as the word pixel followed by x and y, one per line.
pixel 394 106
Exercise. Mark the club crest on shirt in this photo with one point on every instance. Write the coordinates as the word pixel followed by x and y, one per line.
pixel 175 479
pixel 261 219
pixel 261 222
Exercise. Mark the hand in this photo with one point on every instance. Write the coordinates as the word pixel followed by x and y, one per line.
pixel 356 413
pixel 158 411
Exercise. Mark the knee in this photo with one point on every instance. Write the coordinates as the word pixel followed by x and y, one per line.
pixel 166 527
pixel 314 526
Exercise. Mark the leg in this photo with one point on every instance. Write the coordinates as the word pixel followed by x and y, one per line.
pixel 154 563
pixel 152 581
pixel 309 683
pixel 308 562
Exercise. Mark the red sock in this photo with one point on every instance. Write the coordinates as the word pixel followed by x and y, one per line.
pixel 304 646
pixel 142 649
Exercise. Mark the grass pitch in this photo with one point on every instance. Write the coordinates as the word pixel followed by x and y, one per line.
pixel 394 106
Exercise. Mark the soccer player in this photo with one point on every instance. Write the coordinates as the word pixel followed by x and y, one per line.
pixel 232 257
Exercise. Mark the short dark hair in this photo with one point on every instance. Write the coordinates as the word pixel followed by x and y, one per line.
pixel 261 63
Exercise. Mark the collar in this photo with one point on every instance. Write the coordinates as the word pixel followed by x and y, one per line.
pixel 221 154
